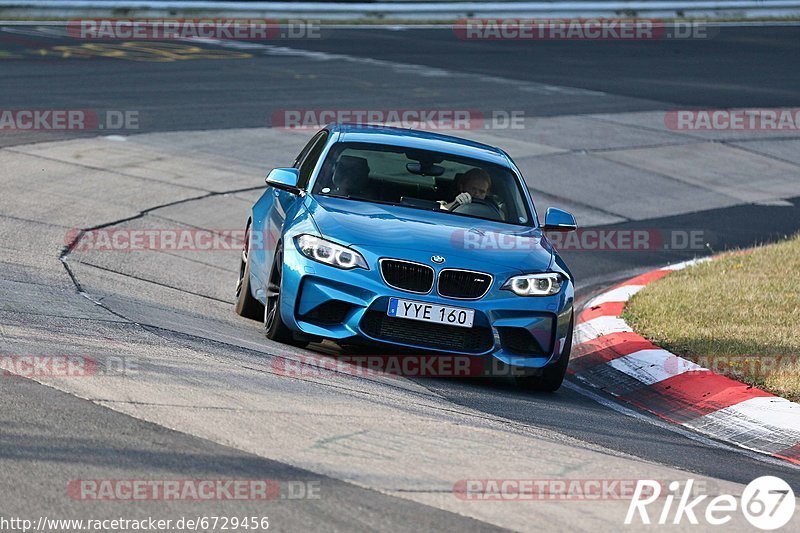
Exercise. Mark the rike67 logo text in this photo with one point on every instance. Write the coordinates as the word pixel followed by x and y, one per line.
pixel 767 503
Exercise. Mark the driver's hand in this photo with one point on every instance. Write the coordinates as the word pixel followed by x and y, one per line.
pixel 463 198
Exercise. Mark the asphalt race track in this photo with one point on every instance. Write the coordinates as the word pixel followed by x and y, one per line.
pixel 209 398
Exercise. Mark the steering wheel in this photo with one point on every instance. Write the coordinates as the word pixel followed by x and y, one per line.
pixel 483 208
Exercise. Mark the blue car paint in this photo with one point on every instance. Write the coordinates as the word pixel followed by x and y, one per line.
pixel 385 231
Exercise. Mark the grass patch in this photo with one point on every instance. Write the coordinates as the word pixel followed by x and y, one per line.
pixel 738 315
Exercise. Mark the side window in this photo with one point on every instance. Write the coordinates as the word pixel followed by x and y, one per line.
pixel 304 151
pixel 309 159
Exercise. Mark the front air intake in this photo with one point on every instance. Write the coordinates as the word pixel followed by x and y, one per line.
pixel 407 276
pixel 463 284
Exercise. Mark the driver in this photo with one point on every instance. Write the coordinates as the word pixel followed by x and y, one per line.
pixel 473 184
pixel 351 176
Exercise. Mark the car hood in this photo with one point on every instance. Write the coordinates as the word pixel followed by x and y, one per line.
pixel 383 226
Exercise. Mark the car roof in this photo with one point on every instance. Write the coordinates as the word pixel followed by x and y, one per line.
pixel 421 139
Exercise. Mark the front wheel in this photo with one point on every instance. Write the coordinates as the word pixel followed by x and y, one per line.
pixel 246 305
pixel 274 327
pixel 552 376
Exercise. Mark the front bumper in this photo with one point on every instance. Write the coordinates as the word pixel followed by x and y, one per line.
pixel 350 305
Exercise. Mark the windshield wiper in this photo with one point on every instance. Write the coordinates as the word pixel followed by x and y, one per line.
pixel 358 198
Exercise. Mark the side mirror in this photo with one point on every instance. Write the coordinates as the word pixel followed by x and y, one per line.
pixel 284 179
pixel 558 220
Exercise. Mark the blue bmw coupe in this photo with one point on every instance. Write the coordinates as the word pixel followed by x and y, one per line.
pixel 407 239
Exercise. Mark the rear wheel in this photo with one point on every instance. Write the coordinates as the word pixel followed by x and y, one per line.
pixel 246 305
pixel 274 327
pixel 552 376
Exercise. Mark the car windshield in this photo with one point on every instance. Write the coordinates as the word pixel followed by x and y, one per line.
pixel 423 179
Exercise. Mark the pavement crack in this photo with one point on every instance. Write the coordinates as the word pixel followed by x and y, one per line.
pixel 131 276
pixel 68 248
pixel 735 144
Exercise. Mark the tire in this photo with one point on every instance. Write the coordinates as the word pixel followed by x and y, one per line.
pixel 552 376
pixel 274 327
pixel 246 305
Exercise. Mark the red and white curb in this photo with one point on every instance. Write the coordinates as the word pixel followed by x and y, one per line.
pixel 607 354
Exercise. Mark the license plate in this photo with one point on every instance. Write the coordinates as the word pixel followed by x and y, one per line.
pixel 425 312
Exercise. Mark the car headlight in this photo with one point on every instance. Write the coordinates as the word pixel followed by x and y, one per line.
pixel 535 284
pixel 329 252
